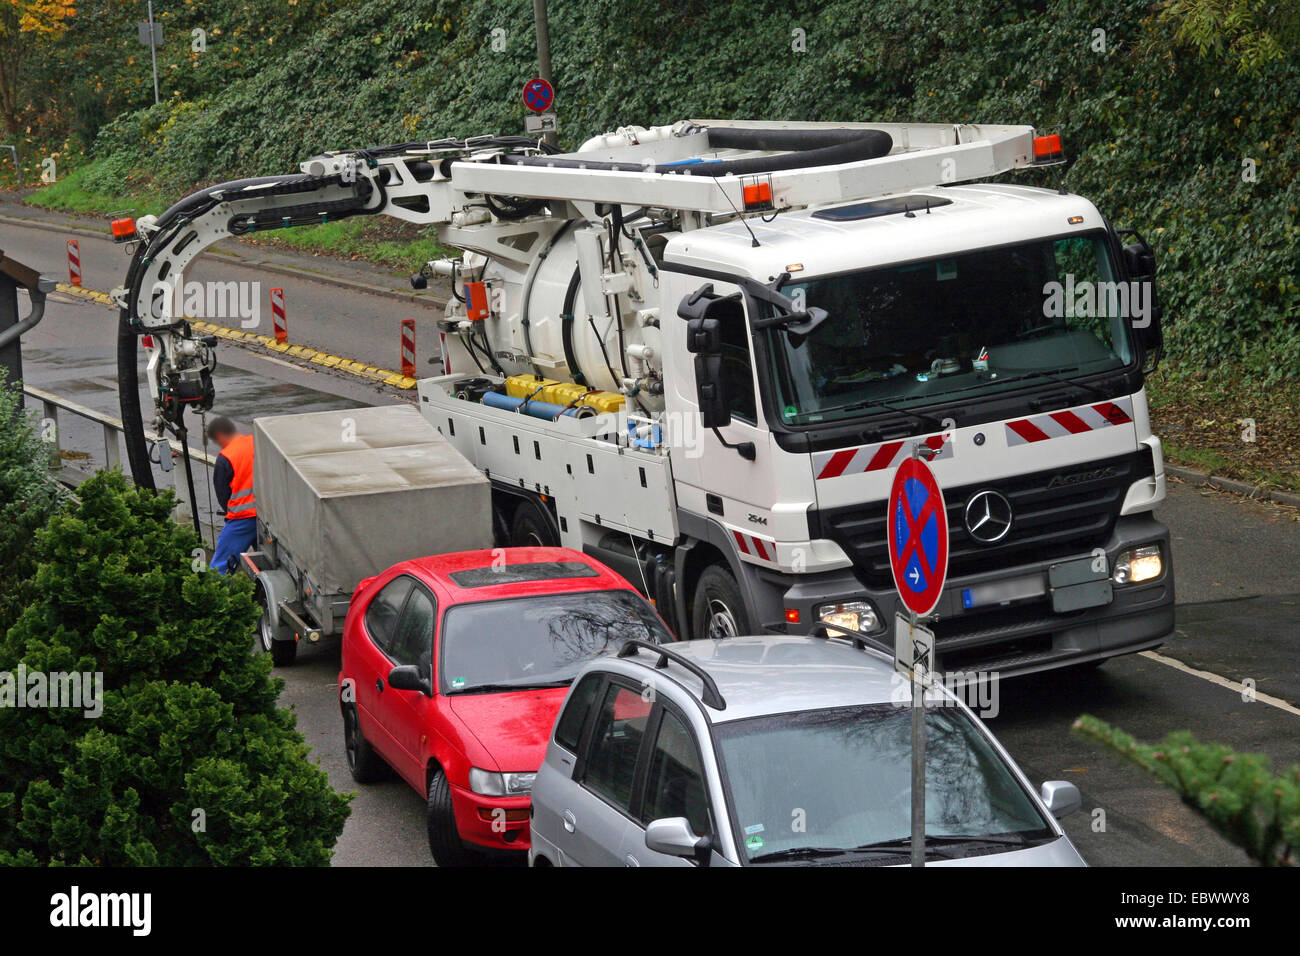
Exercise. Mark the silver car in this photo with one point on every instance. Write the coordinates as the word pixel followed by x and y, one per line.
pixel 756 751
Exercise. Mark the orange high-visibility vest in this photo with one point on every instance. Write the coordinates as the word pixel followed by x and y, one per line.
pixel 239 453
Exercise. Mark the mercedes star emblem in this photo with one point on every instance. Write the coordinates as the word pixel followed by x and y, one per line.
pixel 988 516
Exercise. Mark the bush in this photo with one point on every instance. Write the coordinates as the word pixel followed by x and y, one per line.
pixel 1237 793
pixel 190 761
pixel 28 497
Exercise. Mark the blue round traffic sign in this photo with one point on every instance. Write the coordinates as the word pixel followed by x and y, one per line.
pixel 538 95
pixel 918 536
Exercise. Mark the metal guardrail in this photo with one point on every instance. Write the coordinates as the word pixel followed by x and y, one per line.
pixel 52 404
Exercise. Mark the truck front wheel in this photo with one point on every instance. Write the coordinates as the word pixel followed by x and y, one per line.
pixel 719 610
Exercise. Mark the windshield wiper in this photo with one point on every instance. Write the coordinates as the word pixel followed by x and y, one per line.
pixel 1056 376
pixel 516 685
pixel 938 840
pixel 927 421
pixel 821 852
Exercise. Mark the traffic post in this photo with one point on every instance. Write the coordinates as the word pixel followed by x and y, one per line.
pixel 74 262
pixel 918 558
pixel 408 348
pixel 278 320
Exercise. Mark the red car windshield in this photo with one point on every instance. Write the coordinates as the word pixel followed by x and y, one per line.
pixel 538 641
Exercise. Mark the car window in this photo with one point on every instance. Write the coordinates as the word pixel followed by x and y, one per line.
pixel 381 615
pixel 675 784
pixel 569 726
pixel 615 742
pixel 413 636
pixel 542 640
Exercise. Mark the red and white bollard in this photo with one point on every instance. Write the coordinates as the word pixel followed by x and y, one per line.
pixel 408 348
pixel 277 316
pixel 74 262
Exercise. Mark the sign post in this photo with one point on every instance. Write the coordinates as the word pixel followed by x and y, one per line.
pixel 918 558
pixel 151 35
pixel 539 97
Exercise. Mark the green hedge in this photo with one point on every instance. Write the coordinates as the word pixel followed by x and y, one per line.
pixel 1158 132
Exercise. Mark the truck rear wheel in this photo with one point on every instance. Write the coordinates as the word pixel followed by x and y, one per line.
pixel 530 528
pixel 719 610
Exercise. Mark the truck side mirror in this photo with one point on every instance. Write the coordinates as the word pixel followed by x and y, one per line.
pixel 1144 302
pixel 705 312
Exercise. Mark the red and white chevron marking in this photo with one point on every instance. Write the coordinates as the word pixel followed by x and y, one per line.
pixel 1073 421
pixel 74 262
pixel 408 348
pixel 764 549
pixel 278 320
pixel 864 458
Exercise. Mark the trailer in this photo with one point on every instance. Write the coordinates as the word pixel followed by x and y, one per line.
pixel 343 495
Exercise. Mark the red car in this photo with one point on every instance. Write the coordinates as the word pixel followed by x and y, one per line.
pixel 454 668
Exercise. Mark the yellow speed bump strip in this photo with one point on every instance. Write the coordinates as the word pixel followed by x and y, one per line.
pixel 243 337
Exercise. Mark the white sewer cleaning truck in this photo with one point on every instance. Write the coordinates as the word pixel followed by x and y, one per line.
pixel 698 352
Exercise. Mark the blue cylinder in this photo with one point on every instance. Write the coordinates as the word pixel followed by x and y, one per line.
pixel 544 410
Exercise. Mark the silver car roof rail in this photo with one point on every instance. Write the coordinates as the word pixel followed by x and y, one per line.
pixel 861 641
pixel 712 696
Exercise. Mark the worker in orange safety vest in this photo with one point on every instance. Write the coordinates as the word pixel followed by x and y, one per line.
pixel 232 481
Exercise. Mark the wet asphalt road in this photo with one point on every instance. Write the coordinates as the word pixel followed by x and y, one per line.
pixel 1237 571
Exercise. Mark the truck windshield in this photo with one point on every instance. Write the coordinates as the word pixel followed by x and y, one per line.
pixel 954 329
pixel 848 771
pixel 538 641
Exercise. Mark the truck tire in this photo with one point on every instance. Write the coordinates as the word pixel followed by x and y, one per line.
pixel 440 820
pixel 365 765
pixel 530 528
pixel 719 609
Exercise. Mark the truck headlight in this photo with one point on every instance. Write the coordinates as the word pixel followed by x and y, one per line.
pixel 1138 564
pixel 488 783
pixel 859 615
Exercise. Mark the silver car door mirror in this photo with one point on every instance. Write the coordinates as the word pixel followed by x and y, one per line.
pixel 1061 797
pixel 673 836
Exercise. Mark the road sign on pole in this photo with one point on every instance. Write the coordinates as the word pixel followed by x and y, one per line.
pixel 918 558
pixel 538 95
pixel 918 536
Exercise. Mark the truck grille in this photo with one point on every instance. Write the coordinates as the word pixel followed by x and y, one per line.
pixel 1048 523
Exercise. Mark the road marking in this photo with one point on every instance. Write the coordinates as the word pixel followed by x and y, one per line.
pixel 1223 682
pixel 244 337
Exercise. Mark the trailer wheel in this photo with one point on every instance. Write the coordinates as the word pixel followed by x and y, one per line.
pixel 364 764
pixel 440 821
pixel 719 609
pixel 531 528
pixel 282 652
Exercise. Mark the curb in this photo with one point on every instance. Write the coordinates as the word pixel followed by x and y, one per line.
pixel 314 356
pixel 1244 488
pixel 279 268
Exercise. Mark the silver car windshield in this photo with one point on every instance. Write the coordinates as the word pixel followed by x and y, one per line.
pixel 961 327
pixel 840 780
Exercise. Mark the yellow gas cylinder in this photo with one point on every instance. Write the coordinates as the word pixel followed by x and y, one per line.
pixel 604 402
pixel 529 386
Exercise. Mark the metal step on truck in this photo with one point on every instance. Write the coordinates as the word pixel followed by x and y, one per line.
pixel 698 351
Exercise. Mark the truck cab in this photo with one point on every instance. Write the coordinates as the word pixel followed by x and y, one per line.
pixel 1006 328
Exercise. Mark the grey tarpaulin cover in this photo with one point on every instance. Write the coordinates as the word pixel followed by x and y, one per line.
pixel 349 492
